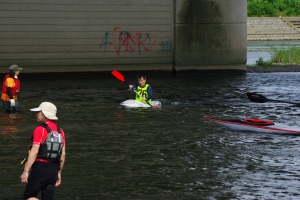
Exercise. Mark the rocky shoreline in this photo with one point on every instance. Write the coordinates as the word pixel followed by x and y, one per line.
pixel 277 68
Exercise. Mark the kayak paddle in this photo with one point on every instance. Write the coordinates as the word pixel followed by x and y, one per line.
pixel 254 97
pixel 120 77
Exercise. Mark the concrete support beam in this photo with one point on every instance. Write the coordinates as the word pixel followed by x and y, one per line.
pixel 211 34
pixel 127 35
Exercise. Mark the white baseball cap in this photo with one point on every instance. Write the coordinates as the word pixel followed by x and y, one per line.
pixel 48 109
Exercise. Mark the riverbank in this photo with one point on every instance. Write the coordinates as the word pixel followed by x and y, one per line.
pixel 273 28
pixel 275 68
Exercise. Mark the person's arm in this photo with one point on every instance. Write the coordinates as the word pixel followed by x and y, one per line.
pixel 134 86
pixel 62 162
pixel 9 92
pixel 30 160
pixel 149 91
pixel 12 100
pixel 10 83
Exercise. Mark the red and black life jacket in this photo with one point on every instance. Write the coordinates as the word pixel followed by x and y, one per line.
pixel 51 148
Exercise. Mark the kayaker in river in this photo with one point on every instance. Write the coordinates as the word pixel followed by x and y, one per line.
pixel 10 90
pixel 143 90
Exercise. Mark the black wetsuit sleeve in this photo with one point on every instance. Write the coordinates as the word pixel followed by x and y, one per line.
pixel 134 86
pixel 9 92
pixel 149 91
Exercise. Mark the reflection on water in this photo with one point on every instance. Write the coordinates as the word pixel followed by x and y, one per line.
pixel 167 153
pixel 8 126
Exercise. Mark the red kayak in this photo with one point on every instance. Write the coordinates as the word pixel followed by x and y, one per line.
pixel 256 125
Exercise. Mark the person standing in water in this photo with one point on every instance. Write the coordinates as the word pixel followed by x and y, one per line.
pixel 47 154
pixel 10 90
pixel 143 90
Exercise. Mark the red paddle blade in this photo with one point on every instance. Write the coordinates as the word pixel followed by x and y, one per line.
pixel 118 75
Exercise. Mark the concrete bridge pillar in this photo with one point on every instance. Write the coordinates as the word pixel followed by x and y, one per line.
pixel 210 35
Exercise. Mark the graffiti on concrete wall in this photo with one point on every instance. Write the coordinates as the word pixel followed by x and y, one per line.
pixel 166 45
pixel 124 41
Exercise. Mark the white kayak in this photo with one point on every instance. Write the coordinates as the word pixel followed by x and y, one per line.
pixel 256 125
pixel 131 103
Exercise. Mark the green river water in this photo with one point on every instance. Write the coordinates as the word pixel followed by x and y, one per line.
pixel 167 153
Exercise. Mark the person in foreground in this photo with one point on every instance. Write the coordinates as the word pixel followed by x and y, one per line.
pixel 10 90
pixel 143 90
pixel 47 155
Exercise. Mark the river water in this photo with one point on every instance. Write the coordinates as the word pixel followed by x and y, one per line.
pixel 167 153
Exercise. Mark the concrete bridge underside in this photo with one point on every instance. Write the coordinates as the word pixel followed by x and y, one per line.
pixel 102 35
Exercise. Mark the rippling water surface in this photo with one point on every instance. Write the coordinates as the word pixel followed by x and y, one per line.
pixel 167 153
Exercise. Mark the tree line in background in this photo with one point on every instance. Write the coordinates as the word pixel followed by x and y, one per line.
pixel 273 8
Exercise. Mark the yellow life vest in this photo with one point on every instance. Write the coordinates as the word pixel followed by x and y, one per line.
pixel 142 92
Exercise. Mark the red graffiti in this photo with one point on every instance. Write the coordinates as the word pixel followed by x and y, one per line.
pixel 127 42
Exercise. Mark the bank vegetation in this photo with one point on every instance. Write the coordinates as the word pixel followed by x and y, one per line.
pixel 279 57
pixel 273 8
pixel 282 60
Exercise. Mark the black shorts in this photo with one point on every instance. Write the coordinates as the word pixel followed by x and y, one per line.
pixel 42 178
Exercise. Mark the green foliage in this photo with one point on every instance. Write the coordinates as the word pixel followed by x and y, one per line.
pixel 282 56
pixel 261 62
pixel 286 56
pixel 273 8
